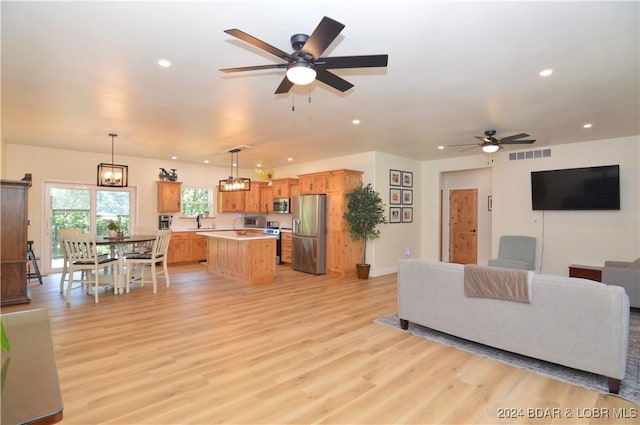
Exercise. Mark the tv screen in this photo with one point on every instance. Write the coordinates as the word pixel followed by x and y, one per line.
pixel 588 188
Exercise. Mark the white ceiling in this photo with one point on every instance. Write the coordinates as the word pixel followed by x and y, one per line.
pixel 72 72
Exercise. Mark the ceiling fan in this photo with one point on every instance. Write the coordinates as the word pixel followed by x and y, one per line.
pixel 491 144
pixel 305 64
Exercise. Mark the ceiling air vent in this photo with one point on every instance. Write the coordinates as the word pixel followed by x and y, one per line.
pixel 540 153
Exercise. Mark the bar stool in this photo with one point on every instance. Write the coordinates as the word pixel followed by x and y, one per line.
pixel 31 257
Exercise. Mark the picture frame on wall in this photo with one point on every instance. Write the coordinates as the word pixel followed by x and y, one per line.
pixel 395 177
pixel 407 197
pixel 407 179
pixel 395 215
pixel 395 196
pixel 407 215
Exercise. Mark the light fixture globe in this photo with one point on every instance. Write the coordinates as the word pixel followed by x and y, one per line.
pixel 301 73
pixel 490 148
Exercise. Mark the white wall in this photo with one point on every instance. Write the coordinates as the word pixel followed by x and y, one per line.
pixel 567 237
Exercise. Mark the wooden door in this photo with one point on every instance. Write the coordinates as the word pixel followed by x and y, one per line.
pixel 463 226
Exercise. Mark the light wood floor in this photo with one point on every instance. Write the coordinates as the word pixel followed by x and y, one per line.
pixel 301 350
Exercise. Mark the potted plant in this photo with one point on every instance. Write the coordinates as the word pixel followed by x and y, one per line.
pixel 365 210
pixel 114 228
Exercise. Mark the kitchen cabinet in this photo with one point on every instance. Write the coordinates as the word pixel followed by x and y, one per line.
pixel 231 201
pixel 266 199
pixel 169 195
pixel 343 253
pixel 285 247
pixel 186 247
pixel 252 202
pixel 13 241
pixel 313 184
pixel 282 187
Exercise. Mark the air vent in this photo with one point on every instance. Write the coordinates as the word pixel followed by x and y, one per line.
pixel 540 153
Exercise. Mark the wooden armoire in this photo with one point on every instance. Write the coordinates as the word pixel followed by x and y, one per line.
pixel 13 237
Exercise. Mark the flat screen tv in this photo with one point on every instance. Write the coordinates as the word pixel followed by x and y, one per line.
pixel 588 188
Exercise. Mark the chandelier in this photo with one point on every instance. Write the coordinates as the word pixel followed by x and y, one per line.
pixel 113 175
pixel 234 184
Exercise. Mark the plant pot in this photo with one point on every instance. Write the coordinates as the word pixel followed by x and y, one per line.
pixel 113 233
pixel 363 270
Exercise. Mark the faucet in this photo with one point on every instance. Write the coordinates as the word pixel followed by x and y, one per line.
pixel 198 220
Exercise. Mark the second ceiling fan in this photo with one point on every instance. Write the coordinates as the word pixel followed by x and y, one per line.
pixel 305 64
pixel 490 144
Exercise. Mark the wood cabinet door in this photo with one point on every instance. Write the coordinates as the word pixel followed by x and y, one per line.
pixel 169 195
pixel 266 199
pixel 198 248
pixel 252 198
pixel 311 184
pixel 231 201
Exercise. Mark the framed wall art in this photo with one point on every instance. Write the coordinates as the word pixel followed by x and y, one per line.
pixel 395 177
pixel 394 215
pixel 395 196
pixel 407 215
pixel 407 197
pixel 407 179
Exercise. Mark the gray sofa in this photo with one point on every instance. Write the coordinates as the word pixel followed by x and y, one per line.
pixel 625 274
pixel 574 322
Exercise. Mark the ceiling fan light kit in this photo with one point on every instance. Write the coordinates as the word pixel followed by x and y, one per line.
pixel 490 148
pixel 305 64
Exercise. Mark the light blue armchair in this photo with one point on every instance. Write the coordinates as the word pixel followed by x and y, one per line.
pixel 625 274
pixel 516 252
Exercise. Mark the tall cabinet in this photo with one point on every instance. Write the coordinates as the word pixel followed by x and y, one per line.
pixel 342 252
pixel 13 240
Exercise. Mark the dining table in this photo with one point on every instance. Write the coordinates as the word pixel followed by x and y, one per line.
pixel 119 245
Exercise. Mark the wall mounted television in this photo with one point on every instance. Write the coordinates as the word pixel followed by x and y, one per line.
pixel 588 188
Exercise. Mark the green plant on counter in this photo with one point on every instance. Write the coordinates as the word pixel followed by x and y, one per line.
pixel 6 345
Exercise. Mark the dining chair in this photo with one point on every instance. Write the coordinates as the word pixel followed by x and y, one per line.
pixel 141 247
pixel 158 255
pixel 80 251
pixel 62 233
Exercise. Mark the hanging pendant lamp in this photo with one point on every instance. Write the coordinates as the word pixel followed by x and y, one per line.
pixel 234 184
pixel 113 175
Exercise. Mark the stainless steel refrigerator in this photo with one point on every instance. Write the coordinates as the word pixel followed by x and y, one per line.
pixel 309 233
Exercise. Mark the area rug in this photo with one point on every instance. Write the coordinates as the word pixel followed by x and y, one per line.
pixel 629 389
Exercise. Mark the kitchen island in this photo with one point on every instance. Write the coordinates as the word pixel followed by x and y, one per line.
pixel 250 258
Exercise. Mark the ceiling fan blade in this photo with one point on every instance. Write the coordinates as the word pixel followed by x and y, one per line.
pixel 284 86
pixel 468 149
pixel 324 34
pixel 515 136
pixel 333 80
pixel 463 144
pixel 367 61
pixel 254 68
pixel 517 142
pixel 483 139
pixel 260 44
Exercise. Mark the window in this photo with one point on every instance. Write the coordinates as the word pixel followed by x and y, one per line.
pixel 196 200
pixel 85 207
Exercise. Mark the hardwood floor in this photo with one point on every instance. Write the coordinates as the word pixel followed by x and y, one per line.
pixel 301 350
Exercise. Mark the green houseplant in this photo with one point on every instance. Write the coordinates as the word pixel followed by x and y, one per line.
pixel 365 211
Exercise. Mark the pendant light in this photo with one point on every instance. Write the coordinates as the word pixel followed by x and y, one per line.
pixel 113 175
pixel 234 184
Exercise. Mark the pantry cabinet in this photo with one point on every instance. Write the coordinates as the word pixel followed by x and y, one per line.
pixel 169 194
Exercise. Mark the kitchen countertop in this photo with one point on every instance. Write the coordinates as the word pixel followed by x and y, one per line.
pixel 233 236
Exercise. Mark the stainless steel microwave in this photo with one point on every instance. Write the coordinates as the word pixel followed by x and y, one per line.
pixel 281 205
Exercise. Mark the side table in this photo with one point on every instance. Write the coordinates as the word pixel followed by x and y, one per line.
pixel 586 272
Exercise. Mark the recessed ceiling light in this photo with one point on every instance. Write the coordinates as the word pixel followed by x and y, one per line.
pixel 289 159
pixel 587 125
pixel 164 63
pixel 258 165
pixel 440 147
pixel 356 121
pixel 174 157
pixel 545 72
pixel 206 161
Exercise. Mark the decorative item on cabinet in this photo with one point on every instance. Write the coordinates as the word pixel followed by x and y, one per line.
pixel 166 175
pixel 169 196
pixel 13 241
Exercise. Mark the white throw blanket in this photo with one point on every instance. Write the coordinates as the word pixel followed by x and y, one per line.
pixel 498 283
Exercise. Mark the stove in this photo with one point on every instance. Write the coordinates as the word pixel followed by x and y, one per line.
pixel 273 228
